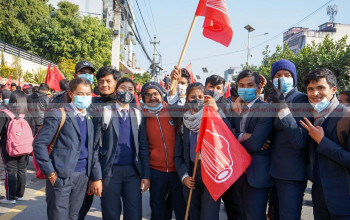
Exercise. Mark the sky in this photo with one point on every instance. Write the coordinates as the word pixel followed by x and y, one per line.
pixel 170 21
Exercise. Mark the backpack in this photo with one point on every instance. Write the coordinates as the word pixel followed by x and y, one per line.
pixel 19 136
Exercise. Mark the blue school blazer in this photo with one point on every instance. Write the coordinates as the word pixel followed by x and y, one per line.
pixel 66 151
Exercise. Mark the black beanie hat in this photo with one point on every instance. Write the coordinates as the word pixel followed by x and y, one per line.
pixel 151 85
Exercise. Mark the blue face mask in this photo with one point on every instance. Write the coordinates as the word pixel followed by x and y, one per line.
pixel 6 101
pixel 82 102
pixel 160 105
pixel 286 83
pixel 88 76
pixel 319 107
pixel 247 94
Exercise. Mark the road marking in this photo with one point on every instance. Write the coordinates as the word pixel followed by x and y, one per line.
pixel 40 192
pixel 13 212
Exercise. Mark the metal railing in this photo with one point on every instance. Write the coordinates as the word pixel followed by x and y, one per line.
pixel 16 51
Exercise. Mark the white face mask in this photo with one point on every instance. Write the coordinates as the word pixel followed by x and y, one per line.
pixel 181 89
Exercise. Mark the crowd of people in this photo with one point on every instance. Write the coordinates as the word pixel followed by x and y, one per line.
pixel 102 142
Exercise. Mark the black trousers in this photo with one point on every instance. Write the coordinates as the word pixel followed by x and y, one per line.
pixel 121 192
pixel 15 170
pixel 162 184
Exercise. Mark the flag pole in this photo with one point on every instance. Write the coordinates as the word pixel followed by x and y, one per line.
pixel 190 195
pixel 184 48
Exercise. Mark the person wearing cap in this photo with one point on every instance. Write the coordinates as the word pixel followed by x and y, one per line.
pixel 83 69
pixel 26 89
pixel 158 131
pixel 124 162
pixel 288 160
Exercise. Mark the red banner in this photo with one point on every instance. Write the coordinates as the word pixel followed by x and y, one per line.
pixel 223 158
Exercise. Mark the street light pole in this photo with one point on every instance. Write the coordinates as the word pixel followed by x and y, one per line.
pixel 249 29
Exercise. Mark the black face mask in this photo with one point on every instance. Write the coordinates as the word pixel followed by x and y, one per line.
pixel 213 93
pixel 196 104
pixel 112 98
pixel 124 96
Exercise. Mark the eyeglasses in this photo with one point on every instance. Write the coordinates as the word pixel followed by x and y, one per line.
pixel 149 95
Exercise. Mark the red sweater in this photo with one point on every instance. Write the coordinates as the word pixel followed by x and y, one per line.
pixel 161 154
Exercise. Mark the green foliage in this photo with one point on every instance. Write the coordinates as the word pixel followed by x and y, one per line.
pixel 6 72
pixel 55 34
pixel 37 77
pixel 334 55
pixel 139 77
pixel 67 67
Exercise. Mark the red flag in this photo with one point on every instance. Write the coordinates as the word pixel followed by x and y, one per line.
pixel 132 77
pixel 189 69
pixel 56 77
pixel 48 75
pixel 138 86
pixel 223 158
pixel 161 83
pixel 137 100
pixel 217 25
pixel 227 92
pixel 8 84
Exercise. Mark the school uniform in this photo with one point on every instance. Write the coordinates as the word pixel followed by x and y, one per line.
pixel 203 207
pixel 288 159
pixel 123 163
pixel 73 158
pixel 255 182
pixel 328 169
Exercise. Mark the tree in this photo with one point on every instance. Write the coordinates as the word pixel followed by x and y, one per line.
pixel 55 34
pixel 139 77
pixel 334 55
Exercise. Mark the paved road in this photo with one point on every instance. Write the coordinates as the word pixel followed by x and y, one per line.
pixel 33 205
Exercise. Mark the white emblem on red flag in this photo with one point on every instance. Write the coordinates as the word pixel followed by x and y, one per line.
pixel 219 5
pixel 216 161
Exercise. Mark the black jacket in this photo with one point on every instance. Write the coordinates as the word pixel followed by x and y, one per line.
pixel 37 104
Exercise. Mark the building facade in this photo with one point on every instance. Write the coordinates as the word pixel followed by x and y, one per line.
pixel 297 37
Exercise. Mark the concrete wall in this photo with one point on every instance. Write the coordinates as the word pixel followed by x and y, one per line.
pixel 25 64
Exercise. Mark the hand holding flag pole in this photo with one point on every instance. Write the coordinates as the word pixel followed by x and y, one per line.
pixel 173 82
pixel 190 195
pixel 217 25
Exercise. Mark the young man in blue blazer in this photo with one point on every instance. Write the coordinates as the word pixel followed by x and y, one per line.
pixel 252 128
pixel 125 164
pixel 288 159
pixel 329 160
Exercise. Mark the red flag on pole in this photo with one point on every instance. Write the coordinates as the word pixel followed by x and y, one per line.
pixel 138 86
pixel 189 69
pixel 8 84
pixel 223 158
pixel 132 77
pixel 227 91
pixel 48 75
pixel 217 25
pixel 137 100
pixel 56 77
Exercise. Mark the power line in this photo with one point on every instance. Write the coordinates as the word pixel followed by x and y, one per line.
pixel 154 23
pixel 264 42
pixel 143 20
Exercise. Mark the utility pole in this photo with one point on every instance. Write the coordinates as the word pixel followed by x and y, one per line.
pixel 116 34
pixel 249 29
pixel 153 66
